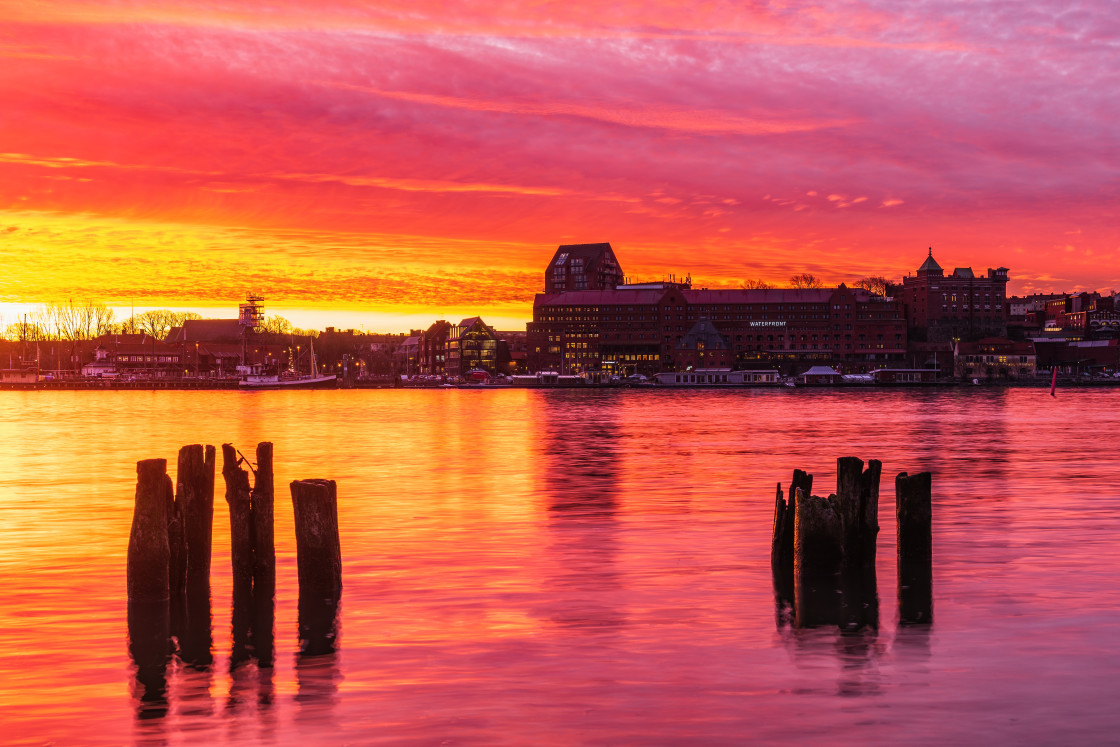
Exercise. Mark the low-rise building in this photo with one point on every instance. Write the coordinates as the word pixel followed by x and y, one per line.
pixel 995 358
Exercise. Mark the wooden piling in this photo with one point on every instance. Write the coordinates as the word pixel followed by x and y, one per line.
pixel 869 509
pixel 914 514
pixel 318 555
pixel 149 552
pixel 264 558
pixel 319 562
pixel 776 544
pixel 817 558
pixel 818 536
pixel 785 511
pixel 264 551
pixel 240 522
pixel 195 499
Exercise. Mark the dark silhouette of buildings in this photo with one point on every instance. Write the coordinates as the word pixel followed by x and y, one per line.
pixel 652 327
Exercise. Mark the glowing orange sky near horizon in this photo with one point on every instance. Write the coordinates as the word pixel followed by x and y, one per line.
pixel 426 158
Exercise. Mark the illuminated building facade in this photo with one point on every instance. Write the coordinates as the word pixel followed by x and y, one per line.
pixel 653 327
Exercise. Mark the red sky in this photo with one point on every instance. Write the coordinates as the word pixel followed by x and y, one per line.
pixel 400 161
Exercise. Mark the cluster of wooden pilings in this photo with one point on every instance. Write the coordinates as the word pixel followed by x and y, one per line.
pixel 822 552
pixel 169 558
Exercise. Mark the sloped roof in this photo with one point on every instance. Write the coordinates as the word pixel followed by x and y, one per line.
pixel 600 298
pixel 211 330
pixel 706 332
pixel 585 250
pixel 821 371
pixel 930 265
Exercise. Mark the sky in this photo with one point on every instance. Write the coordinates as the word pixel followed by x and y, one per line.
pixel 387 164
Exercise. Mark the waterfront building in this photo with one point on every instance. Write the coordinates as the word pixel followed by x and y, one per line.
pixel 513 347
pixel 406 358
pixel 139 355
pixel 471 344
pixel 820 375
pixel 643 329
pixel 1079 356
pixel 432 350
pixel 1082 316
pixel 581 267
pixel 958 306
pixel 994 358
pixel 702 347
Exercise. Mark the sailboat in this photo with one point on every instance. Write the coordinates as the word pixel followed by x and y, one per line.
pixel 258 379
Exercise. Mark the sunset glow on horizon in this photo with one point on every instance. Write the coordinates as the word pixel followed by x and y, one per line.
pixel 412 161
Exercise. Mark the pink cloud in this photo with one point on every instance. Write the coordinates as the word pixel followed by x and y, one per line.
pixel 994 126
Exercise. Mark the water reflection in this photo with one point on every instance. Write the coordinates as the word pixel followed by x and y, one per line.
pixel 317 680
pixel 194 623
pixel 581 477
pixel 149 646
pixel 318 625
pixel 540 591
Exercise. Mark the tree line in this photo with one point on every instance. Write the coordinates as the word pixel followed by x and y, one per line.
pixel 86 320
pixel 875 283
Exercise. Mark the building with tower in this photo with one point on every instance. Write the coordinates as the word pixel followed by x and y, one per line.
pixel 957 306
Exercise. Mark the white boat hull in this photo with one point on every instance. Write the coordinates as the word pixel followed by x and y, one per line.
pixel 329 381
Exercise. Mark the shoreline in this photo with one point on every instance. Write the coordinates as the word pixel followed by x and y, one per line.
pixel 232 385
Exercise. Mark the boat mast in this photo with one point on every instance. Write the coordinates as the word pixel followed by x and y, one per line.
pixel 314 368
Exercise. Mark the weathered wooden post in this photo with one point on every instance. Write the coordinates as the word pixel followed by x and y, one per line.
pixel 264 557
pixel 149 551
pixel 914 512
pixel 857 503
pixel 195 502
pixel 869 504
pixel 319 562
pixel 148 583
pixel 238 496
pixel 818 555
pixel 264 550
pixel 781 544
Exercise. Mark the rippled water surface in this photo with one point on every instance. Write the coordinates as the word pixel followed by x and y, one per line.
pixel 579 567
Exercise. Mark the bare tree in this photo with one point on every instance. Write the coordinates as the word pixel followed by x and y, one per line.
pixel 46 318
pixel 78 321
pixel 875 284
pixel 806 280
pixel 158 322
pixel 276 325
pixel 755 284
pixel 25 332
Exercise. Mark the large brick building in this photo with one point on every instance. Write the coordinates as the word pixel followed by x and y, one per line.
pixel 654 327
pixel 578 267
pixel 940 307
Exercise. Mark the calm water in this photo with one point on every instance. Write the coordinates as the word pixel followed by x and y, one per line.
pixel 579 567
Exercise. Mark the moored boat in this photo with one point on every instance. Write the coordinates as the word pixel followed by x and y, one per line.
pixel 256 378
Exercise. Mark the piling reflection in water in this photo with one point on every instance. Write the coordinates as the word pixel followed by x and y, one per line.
pixel 195 625
pixel 317 679
pixel 149 646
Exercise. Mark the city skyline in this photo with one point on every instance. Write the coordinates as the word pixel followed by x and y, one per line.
pixel 383 167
